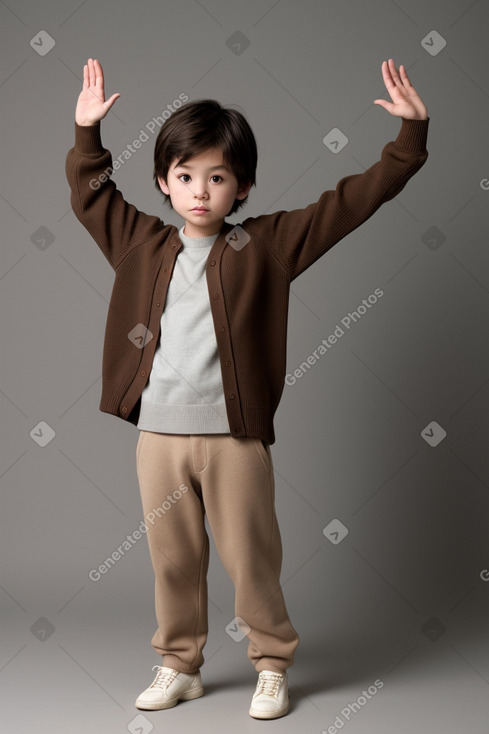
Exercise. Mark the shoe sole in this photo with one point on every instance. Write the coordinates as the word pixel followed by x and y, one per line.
pixel 188 696
pixel 269 714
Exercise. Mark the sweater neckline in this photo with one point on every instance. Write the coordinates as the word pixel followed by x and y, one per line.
pixel 197 241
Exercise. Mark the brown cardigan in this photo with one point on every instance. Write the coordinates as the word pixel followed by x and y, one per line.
pixel 248 287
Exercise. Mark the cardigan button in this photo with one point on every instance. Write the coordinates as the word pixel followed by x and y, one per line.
pixel 213 262
pixel 142 373
pixel 232 396
pixel 165 270
pixel 123 409
pixel 157 303
pixel 237 429
pixel 216 295
pixel 222 328
pixel 228 362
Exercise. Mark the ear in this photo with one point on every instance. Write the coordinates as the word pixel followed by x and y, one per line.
pixel 163 186
pixel 243 191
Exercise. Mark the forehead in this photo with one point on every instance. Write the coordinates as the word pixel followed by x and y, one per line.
pixel 208 159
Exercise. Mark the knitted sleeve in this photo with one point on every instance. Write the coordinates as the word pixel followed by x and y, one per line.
pixel 115 225
pixel 299 237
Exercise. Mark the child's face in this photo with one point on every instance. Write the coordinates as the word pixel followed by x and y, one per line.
pixel 202 181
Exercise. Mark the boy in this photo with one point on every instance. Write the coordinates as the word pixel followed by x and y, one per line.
pixel 194 357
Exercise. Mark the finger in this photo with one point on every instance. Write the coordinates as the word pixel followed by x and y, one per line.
pixel 99 75
pixel 85 77
pixel 394 73
pixel 403 73
pixel 407 84
pixel 91 73
pixel 95 87
pixel 388 81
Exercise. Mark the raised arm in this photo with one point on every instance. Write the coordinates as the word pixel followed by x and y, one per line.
pixel 115 225
pixel 299 237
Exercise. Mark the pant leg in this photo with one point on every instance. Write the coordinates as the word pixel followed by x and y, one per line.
pixel 239 496
pixel 178 545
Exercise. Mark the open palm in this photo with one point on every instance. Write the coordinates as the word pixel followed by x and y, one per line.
pixel 92 106
pixel 405 99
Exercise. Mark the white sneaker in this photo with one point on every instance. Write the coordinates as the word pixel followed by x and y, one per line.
pixel 169 687
pixel 271 697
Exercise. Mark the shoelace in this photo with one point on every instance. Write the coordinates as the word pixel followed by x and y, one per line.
pixel 163 678
pixel 268 683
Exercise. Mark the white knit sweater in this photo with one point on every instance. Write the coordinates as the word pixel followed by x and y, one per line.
pixel 184 393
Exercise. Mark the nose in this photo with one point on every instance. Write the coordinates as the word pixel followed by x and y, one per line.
pixel 200 191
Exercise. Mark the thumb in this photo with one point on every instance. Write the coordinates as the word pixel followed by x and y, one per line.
pixel 108 104
pixel 383 103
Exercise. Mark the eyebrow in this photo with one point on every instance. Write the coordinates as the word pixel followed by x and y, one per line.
pixel 212 168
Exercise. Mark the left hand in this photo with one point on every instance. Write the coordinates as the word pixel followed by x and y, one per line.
pixel 406 102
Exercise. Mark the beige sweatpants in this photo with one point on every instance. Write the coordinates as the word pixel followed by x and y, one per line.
pixel 182 477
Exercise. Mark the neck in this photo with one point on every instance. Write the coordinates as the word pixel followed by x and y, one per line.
pixel 190 231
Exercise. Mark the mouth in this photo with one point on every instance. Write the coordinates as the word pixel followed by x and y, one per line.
pixel 199 209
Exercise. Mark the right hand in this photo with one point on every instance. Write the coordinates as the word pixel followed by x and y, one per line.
pixel 91 106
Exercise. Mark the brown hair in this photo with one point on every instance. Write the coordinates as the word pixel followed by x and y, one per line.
pixel 198 126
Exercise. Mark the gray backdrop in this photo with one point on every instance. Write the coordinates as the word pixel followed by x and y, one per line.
pixel 384 438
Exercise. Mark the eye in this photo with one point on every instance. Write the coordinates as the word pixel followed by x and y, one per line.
pixel 216 176
pixel 182 175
